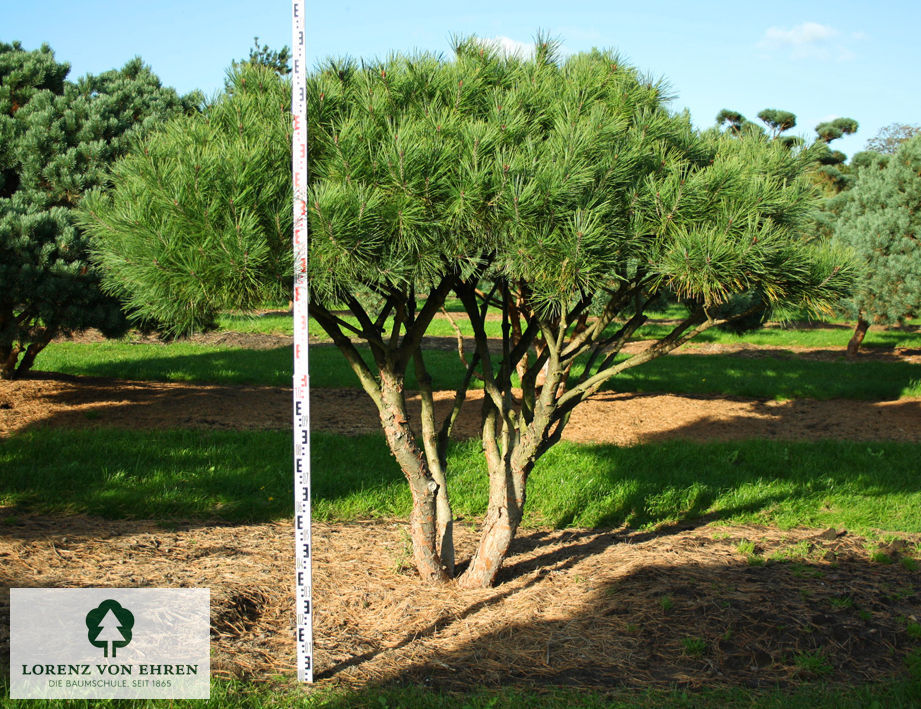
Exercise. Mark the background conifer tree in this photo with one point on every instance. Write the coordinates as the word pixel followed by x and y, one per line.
pixel 57 139
pixel 881 220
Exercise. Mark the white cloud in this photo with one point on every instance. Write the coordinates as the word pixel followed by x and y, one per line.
pixel 808 40
pixel 803 34
pixel 510 47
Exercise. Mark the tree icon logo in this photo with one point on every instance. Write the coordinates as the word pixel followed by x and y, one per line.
pixel 109 626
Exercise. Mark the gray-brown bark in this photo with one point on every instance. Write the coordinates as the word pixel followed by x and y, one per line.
pixel 422 462
pixel 423 521
pixel 853 346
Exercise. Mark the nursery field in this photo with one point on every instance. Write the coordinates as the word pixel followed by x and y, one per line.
pixel 736 524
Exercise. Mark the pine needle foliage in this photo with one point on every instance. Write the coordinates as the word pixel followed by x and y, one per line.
pixel 559 193
pixel 198 219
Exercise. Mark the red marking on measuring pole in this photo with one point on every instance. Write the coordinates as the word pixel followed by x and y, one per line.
pixel 303 572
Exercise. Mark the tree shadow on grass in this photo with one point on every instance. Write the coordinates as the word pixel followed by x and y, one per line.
pixel 680 481
pixel 771 374
pixel 747 372
pixel 269 367
pixel 182 475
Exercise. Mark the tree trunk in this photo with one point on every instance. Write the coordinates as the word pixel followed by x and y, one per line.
pixel 9 354
pixel 444 521
pixel 28 359
pixel 437 463
pixel 423 525
pixel 859 333
pixel 503 515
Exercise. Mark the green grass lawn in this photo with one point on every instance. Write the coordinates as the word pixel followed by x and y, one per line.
pixel 283 324
pixel 779 376
pixel 283 694
pixel 828 336
pixel 246 476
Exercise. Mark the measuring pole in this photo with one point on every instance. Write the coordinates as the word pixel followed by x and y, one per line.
pixel 302 536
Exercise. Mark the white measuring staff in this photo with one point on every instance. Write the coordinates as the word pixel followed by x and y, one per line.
pixel 302 536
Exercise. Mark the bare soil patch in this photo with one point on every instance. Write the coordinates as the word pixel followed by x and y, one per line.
pixel 573 607
pixel 618 418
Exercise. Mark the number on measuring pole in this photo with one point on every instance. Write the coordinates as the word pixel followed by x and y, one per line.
pixel 303 573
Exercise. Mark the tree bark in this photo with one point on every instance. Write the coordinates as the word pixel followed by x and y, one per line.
pixel 423 520
pixel 859 333
pixel 28 359
pixel 9 354
pixel 437 462
pixel 503 515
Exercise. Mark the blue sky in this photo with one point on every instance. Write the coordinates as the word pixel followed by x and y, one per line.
pixel 817 59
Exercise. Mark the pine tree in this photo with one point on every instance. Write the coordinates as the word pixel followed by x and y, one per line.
pixel 57 139
pixel 833 175
pixel 560 194
pixel 881 221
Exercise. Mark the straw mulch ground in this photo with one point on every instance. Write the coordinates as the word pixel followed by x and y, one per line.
pixel 578 607
pixel 609 417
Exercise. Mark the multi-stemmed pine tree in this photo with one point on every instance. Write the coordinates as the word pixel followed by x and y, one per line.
pixel 57 139
pixel 560 195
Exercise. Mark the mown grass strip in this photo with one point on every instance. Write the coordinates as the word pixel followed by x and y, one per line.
pixel 834 336
pixel 825 336
pixel 282 693
pixel 246 476
pixel 283 324
pixel 766 377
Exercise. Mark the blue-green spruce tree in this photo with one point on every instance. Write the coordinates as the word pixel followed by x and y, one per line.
pixel 881 221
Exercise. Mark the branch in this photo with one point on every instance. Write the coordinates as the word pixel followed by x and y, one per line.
pixel 591 334
pixel 460 342
pixel 413 338
pixel 460 396
pixel 482 343
pixel 368 381
pixel 673 340
pixel 385 312
pixel 371 334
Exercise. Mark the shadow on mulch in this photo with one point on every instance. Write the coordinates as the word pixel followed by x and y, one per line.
pixel 751 624
pixel 687 607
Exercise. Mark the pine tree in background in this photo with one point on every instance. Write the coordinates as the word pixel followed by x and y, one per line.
pixel 279 60
pixel 561 196
pixel 833 175
pixel 735 123
pixel 57 140
pixel 881 221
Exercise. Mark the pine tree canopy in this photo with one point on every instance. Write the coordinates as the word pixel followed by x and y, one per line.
pixel 778 121
pixel 57 139
pixel 832 130
pixel 881 222
pixel 571 177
